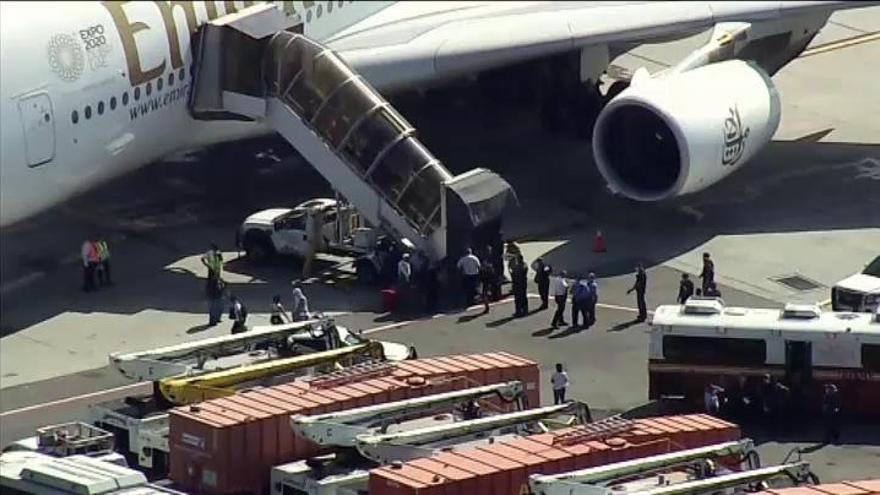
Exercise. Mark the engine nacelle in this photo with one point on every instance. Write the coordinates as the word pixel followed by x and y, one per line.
pixel 680 133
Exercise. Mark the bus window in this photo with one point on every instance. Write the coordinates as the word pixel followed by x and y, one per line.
pixel 871 357
pixel 712 350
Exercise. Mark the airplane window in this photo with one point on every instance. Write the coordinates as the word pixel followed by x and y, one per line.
pixel 181 74
pixel 149 88
pixel 137 93
pixel 309 16
pixel 171 79
pixel 329 7
pixel 159 83
pixel 125 98
pixel 319 11
pixel 74 117
pixel 100 108
pixel 112 103
pixel 339 3
pixel 88 112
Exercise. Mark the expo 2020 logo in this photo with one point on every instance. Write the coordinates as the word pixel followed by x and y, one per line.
pixel 66 57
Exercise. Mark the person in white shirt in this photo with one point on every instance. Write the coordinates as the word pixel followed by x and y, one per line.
pixel 300 303
pixel 559 291
pixel 469 266
pixel 559 380
pixel 404 270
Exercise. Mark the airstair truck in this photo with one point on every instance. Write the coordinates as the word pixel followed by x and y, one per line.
pixel 255 65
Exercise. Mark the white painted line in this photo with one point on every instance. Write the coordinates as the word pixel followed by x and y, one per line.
pixel 125 388
pixel 21 282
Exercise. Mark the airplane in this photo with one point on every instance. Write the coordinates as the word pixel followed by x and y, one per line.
pixel 93 90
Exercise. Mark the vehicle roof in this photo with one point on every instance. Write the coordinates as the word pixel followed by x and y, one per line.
pixel 675 320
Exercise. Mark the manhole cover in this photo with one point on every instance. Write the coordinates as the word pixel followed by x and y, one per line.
pixel 797 282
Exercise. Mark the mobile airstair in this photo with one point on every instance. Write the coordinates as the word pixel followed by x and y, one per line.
pixel 254 65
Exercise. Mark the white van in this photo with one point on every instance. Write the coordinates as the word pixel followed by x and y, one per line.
pixel 859 292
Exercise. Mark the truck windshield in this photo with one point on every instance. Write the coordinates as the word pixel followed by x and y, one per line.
pixel 873 268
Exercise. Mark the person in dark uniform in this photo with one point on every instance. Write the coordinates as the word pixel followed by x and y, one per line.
pixel 487 282
pixel 640 286
pixel 831 413
pixel 685 288
pixel 519 279
pixel 542 278
pixel 708 273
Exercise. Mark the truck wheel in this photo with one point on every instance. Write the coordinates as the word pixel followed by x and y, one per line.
pixel 257 249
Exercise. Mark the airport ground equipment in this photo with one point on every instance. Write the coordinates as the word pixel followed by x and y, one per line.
pixel 191 357
pixel 341 428
pixel 140 424
pixel 699 471
pixel 41 474
pixel 345 473
pixel 256 65
pixel 192 389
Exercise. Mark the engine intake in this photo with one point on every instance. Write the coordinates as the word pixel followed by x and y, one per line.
pixel 680 133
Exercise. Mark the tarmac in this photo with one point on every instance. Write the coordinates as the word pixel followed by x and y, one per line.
pixel 806 206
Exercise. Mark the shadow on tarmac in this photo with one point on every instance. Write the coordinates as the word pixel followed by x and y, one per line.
pixel 162 213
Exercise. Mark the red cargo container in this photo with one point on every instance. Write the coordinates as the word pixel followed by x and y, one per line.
pixel 505 465
pixel 250 432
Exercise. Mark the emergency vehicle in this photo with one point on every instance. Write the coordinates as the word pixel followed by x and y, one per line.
pixel 703 342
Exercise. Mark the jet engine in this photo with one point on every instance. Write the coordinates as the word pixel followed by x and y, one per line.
pixel 679 133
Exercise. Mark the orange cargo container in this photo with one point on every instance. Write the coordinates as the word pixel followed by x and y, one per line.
pixel 865 487
pixel 229 445
pixel 503 467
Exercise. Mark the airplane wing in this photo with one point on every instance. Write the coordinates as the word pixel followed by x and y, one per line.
pixel 414 42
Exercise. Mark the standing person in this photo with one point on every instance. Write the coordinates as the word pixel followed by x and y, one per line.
pixel 594 298
pixel 520 279
pixel 559 291
pixel 214 290
pixel 300 303
pixel 469 266
pixel 90 259
pixel 640 286
pixel 831 413
pixel 104 263
pixel 404 277
pixel 213 261
pixel 279 313
pixel 238 314
pixel 708 273
pixel 685 288
pixel 560 381
pixel 542 278
pixel 495 281
pixel 579 300
pixel 487 283
pixel 712 399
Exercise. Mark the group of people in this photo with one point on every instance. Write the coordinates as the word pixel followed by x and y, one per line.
pixel 215 290
pixel 708 287
pixel 483 276
pixel 584 297
pixel 416 275
pixel 771 401
pixel 96 264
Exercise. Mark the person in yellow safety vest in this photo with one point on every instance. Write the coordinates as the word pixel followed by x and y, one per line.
pixel 213 261
pixel 103 251
pixel 90 261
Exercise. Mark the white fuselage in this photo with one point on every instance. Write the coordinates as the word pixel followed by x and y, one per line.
pixel 92 90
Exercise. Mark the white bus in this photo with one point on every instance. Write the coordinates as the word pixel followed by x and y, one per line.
pixel 704 342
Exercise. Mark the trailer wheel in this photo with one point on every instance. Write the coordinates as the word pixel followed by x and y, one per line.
pixel 258 248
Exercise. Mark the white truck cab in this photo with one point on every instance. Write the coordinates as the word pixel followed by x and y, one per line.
pixel 859 292
pixel 286 230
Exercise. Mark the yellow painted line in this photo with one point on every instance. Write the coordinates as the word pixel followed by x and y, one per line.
pixel 845 43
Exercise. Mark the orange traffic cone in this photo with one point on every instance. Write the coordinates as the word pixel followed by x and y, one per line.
pixel 599 243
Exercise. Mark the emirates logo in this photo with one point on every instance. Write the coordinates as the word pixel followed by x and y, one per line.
pixel 734 138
